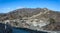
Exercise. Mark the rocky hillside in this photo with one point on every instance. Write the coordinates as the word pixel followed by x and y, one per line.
pixel 30 12
pixel 33 17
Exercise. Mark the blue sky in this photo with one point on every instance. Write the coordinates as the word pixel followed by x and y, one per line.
pixel 9 5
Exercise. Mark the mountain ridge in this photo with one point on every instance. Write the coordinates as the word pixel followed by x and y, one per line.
pixel 28 12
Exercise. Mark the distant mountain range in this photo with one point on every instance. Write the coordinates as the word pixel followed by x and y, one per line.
pixel 30 12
